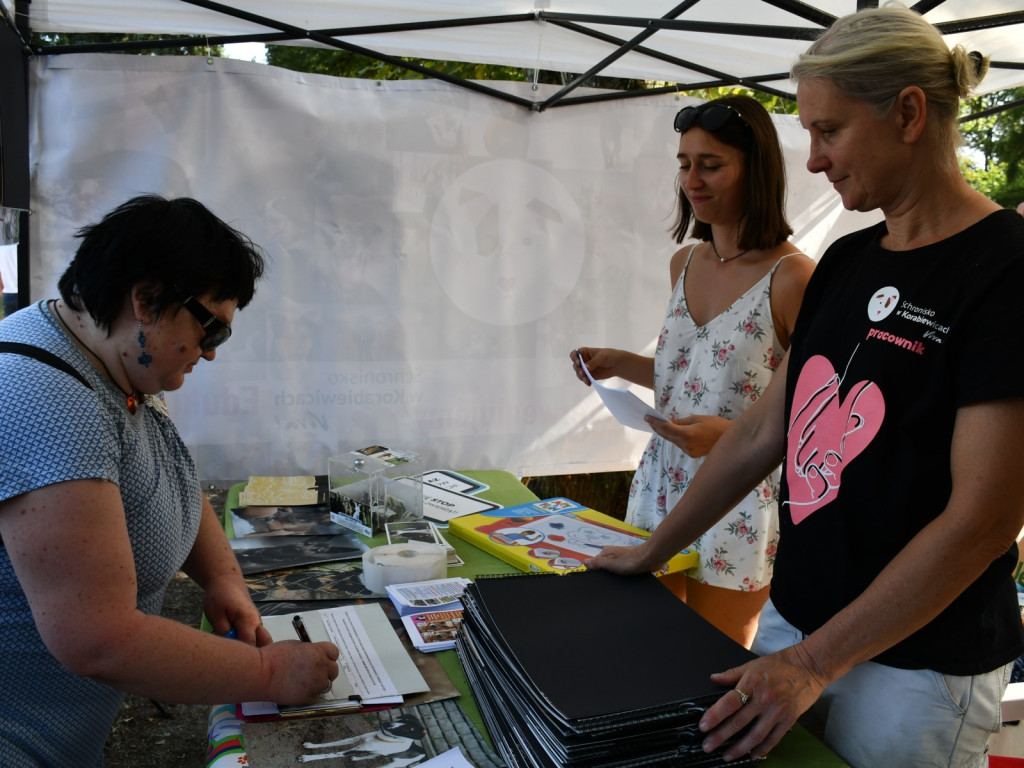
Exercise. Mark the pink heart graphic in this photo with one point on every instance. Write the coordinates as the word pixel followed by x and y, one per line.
pixel 825 434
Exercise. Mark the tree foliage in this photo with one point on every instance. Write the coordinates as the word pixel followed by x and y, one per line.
pixel 995 145
pixel 341 63
pixel 775 105
pixel 47 40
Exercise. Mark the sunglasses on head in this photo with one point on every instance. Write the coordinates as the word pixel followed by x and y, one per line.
pixel 710 117
pixel 216 331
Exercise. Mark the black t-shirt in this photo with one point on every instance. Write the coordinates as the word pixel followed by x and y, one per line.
pixel 887 346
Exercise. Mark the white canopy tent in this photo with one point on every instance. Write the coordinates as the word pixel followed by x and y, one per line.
pixel 436 252
pixel 686 44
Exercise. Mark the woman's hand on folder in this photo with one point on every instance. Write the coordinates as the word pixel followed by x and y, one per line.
pixel 626 560
pixel 298 672
pixel 767 696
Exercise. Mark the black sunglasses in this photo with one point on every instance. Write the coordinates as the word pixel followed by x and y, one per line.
pixel 710 117
pixel 217 331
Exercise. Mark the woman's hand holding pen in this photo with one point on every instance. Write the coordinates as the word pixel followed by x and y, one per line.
pixel 298 672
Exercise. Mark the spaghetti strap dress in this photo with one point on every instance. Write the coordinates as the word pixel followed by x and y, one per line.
pixel 720 368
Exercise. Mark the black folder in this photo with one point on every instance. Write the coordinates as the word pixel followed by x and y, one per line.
pixel 591 669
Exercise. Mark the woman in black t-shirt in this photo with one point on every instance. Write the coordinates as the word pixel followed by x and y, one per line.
pixel 899 417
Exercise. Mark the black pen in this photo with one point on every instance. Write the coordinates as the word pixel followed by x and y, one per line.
pixel 300 628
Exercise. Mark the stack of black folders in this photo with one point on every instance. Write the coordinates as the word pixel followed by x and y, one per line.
pixel 592 670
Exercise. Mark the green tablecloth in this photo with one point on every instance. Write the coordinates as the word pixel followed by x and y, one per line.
pixel 503 488
pixel 799 749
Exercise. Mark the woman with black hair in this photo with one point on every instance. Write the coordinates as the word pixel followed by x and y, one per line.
pixel 100 503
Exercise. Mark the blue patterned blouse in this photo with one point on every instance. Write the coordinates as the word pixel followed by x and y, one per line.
pixel 55 429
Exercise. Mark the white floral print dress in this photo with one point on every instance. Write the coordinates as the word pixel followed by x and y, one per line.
pixel 719 369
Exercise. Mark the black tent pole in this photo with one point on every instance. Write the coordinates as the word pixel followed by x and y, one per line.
pixel 21 17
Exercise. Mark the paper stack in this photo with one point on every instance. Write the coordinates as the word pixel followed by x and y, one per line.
pixel 591 670
pixel 431 611
pixel 423 596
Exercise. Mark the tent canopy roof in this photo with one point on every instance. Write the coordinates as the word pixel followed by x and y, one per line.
pixel 692 44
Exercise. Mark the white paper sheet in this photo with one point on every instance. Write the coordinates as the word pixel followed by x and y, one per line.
pixel 623 404
pixel 453 758
pixel 372 655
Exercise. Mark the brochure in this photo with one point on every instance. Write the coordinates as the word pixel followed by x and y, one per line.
pixel 433 595
pixel 434 630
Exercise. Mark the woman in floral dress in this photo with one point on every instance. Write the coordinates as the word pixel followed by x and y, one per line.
pixel 735 297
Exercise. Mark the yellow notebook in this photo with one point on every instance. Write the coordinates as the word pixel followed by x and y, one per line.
pixel 553 536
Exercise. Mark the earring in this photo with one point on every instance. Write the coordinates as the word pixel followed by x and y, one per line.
pixel 145 358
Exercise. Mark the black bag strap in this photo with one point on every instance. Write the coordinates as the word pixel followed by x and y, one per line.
pixel 28 350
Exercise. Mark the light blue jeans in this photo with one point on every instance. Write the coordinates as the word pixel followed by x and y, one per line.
pixel 883 717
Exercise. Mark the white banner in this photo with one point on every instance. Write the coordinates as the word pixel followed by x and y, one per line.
pixel 436 253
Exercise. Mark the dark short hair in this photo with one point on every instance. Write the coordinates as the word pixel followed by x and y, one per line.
pixel 764 223
pixel 169 243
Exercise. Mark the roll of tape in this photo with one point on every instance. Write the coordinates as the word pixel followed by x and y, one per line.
pixel 400 563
